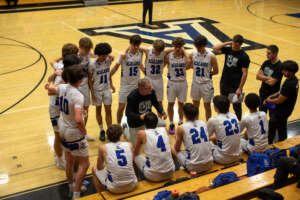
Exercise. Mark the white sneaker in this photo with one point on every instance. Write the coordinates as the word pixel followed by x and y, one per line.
pixel 90 138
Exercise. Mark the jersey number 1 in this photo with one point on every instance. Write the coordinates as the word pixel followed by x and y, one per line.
pixel 64 105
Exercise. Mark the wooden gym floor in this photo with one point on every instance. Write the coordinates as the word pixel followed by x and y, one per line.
pixel 29 40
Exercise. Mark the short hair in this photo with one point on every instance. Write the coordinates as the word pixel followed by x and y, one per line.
pixel 69 49
pixel 102 49
pixel 273 48
pixel 135 40
pixel 114 132
pixel 143 82
pixel 252 101
pixel 238 39
pixel 200 41
pixel 86 43
pixel 222 103
pixel 150 120
pixel 68 61
pixel 74 74
pixel 290 65
pixel 159 45
pixel 190 111
pixel 178 41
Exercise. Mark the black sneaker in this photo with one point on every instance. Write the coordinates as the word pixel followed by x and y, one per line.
pixel 102 135
pixel 172 129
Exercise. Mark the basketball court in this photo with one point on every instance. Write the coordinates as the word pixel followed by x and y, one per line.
pixel 33 34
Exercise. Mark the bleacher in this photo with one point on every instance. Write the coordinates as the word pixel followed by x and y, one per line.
pixel 147 190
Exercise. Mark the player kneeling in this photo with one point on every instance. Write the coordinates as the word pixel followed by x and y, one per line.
pixel 197 155
pixel 119 177
pixel 256 124
pixel 224 131
pixel 158 164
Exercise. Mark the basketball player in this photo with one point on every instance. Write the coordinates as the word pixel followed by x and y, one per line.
pixel 100 84
pixel 256 124
pixel 119 176
pixel 130 73
pixel 224 131
pixel 54 110
pixel 205 66
pixel 197 155
pixel 72 127
pixel 158 164
pixel 177 84
pixel 235 70
pixel 85 47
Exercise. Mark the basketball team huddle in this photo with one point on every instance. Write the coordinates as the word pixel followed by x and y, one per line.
pixel 81 77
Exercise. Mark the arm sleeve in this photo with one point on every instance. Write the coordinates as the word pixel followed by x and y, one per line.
pixel 131 104
pixel 245 61
pixel 119 59
pixel 225 50
pixel 278 73
pixel 285 90
pixel 155 103
pixel 211 126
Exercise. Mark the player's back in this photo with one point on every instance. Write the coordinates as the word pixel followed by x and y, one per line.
pixel 158 150
pixel 202 66
pixel 69 98
pixel 196 142
pixel 177 68
pixel 257 130
pixel 227 133
pixel 85 60
pixel 101 73
pixel 130 72
pixel 154 64
pixel 119 162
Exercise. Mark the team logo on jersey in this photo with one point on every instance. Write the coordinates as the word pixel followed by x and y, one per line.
pixel 167 30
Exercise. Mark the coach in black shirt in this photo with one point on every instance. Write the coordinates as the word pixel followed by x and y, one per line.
pixel 147 6
pixel 270 75
pixel 285 102
pixel 235 69
pixel 139 102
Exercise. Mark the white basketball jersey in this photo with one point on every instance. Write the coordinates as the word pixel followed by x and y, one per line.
pixel 154 64
pixel 58 79
pixel 202 66
pixel 257 130
pixel 177 68
pixel 119 162
pixel 100 71
pixel 69 98
pixel 226 127
pixel 158 150
pixel 196 142
pixel 85 61
pixel 130 73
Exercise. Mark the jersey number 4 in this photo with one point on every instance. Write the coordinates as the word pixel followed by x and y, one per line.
pixel 228 127
pixel 122 161
pixel 160 144
pixel 196 137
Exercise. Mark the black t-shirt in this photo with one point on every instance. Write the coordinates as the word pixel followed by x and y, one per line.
pixel 289 89
pixel 273 70
pixel 138 104
pixel 234 62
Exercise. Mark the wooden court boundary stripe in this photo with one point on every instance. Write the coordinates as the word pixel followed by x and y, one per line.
pixel 75 6
pixel 22 68
pixel 39 82
pixel 270 19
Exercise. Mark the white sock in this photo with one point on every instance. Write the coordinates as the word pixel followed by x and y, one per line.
pixel 76 195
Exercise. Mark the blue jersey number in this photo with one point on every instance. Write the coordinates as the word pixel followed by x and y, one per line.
pixel 228 127
pixel 122 161
pixel 262 127
pixel 155 69
pixel 103 79
pixel 160 144
pixel 179 72
pixel 64 105
pixel 133 71
pixel 200 71
pixel 196 137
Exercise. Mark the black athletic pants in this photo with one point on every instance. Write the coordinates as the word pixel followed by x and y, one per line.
pixel 226 90
pixel 279 125
pixel 286 166
pixel 147 6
